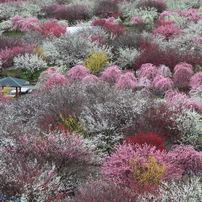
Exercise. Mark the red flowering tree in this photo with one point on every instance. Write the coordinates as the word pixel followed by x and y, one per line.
pixel 168 30
pixel 146 137
pixel 51 28
pixel 110 25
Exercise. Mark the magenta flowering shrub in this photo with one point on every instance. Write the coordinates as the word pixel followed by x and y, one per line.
pixel 56 79
pixel 24 24
pixel 191 14
pixel 111 74
pixel 117 167
pixel 168 31
pixel 174 97
pixel 7 54
pixel 196 81
pixel 110 25
pixel 77 73
pixel 162 84
pixel 51 28
pixel 127 80
pixel 187 158
pixel 149 71
pixel 182 75
pixel 91 78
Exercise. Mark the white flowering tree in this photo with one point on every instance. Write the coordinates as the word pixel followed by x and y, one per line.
pixel 29 63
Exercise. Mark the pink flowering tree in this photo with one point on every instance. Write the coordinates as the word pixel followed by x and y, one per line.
pixel 24 24
pixel 187 158
pixel 127 80
pixel 77 73
pixel 91 78
pixel 148 71
pixel 56 79
pixel 196 81
pixel 162 84
pixel 182 75
pixel 118 168
pixel 111 74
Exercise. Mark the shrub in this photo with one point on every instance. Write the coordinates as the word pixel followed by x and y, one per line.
pixel 111 74
pixel 168 31
pixel 24 25
pixel 149 138
pixel 105 9
pixel 42 166
pixel 110 25
pixel 187 158
pixel 51 28
pixel 103 190
pixel 159 5
pixel 77 73
pixel 149 71
pixel 162 84
pixel 164 70
pixel 149 173
pixel 29 63
pixel 182 75
pixel 196 80
pixel 56 79
pixel 119 169
pixel 157 119
pixel 127 80
pixel 96 61
pixel 169 57
pixel 72 124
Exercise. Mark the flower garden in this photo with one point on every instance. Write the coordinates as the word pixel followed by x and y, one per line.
pixel 117 113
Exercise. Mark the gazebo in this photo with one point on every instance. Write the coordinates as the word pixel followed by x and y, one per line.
pixel 13 82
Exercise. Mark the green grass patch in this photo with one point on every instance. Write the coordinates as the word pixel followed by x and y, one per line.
pixel 17 73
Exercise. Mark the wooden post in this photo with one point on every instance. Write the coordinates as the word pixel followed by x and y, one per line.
pixel 16 93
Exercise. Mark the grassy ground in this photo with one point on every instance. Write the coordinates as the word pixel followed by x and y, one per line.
pixel 22 75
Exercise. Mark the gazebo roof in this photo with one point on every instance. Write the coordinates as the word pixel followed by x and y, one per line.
pixel 13 82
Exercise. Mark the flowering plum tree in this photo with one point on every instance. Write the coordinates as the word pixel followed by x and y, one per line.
pixel 127 80
pixel 110 25
pixel 111 74
pixel 149 71
pixel 196 81
pixel 161 83
pixel 77 73
pixel 24 25
pixel 182 75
